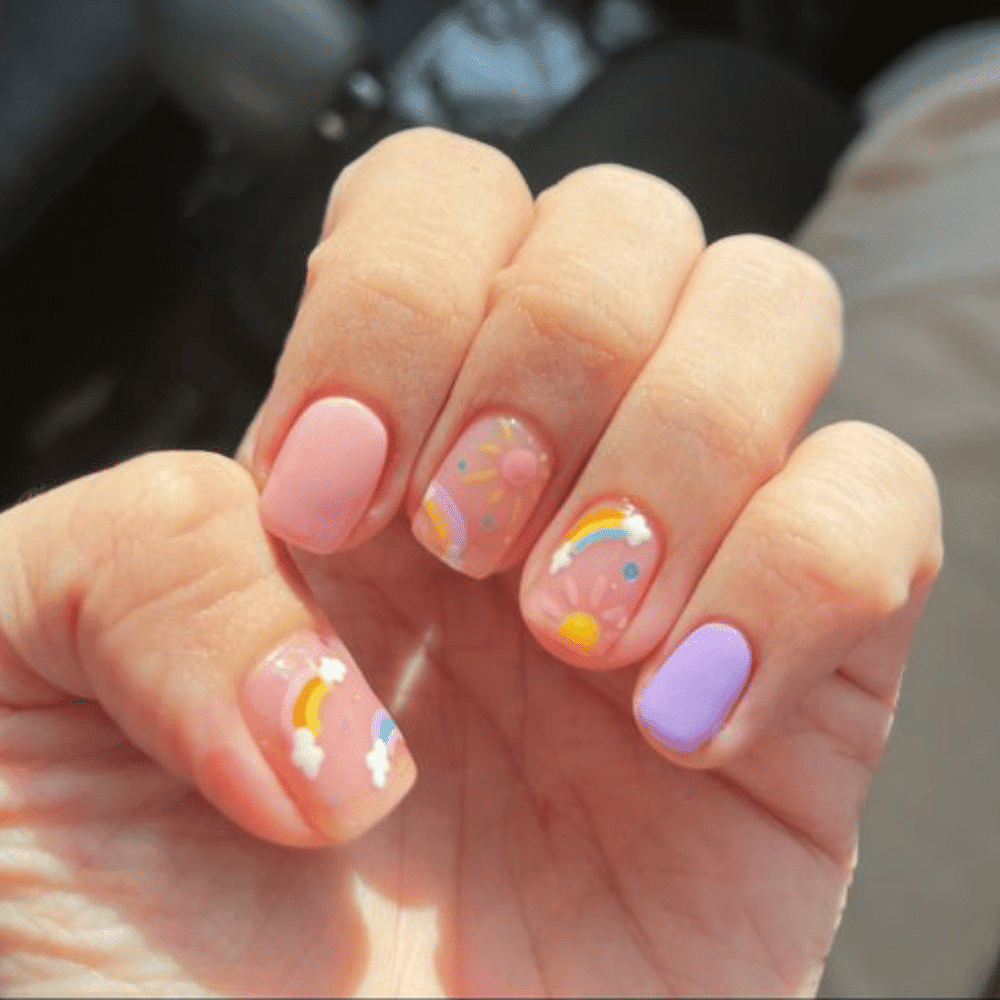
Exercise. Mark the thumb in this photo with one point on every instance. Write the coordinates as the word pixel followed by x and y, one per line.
pixel 152 589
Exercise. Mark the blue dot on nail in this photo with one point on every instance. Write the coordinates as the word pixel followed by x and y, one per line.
pixel 463 465
pixel 630 570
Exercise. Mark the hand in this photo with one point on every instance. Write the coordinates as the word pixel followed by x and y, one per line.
pixel 160 787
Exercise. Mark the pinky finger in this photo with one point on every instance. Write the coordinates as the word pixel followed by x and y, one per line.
pixel 826 569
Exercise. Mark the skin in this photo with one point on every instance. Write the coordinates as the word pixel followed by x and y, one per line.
pixel 549 846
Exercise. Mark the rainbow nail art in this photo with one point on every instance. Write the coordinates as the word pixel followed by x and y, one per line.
pixel 596 577
pixel 484 492
pixel 306 692
pixel 385 738
pixel 328 732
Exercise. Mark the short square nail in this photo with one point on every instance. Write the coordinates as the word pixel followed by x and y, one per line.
pixel 483 494
pixel 325 474
pixel 596 577
pixel 693 692
pixel 328 738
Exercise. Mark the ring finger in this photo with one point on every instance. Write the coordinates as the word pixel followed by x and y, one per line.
pixel 754 343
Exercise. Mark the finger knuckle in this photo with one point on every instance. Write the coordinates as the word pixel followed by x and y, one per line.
pixel 401 279
pixel 788 278
pixel 608 248
pixel 439 155
pixel 774 261
pixel 437 142
pixel 622 192
pixel 165 495
pixel 890 451
pixel 717 430
pixel 856 521
pixel 829 562
pixel 424 193
pixel 901 478
pixel 167 526
pixel 612 344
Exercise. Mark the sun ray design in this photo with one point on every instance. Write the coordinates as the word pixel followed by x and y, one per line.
pixel 484 489
pixel 515 510
pixel 483 476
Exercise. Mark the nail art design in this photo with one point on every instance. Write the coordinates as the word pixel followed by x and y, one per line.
pixel 447 520
pixel 482 495
pixel 597 576
pixel 313 707
pixel 385 737
pixel 304 699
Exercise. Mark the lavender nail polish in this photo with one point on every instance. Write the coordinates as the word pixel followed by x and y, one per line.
pixel 692 693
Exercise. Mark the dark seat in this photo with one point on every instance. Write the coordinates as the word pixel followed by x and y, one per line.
pixel 749 141
pixel 71 81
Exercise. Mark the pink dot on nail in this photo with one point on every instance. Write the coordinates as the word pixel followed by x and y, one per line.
pixel 518 467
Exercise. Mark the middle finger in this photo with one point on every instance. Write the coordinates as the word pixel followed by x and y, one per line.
pixel 570 323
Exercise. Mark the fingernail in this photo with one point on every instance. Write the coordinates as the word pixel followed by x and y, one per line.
pixel 596 577
pixel 325 474
pixel 691 695
pixel 335 749
pixel 483 494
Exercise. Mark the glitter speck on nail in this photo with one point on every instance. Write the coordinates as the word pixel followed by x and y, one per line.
pixel 463 465
pixel 487 522
pixel 630 570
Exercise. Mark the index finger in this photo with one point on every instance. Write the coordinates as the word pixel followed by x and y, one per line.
pixel 414 234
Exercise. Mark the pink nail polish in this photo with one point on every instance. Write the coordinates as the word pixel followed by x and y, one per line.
pixel 332 744
pixel 596 577
pixel 325 474
pixel 483 494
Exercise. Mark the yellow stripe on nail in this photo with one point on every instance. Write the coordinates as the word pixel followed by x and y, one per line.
pixel 438 522
pixel 480 477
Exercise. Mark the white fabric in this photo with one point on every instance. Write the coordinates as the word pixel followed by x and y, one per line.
pixel 910 227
